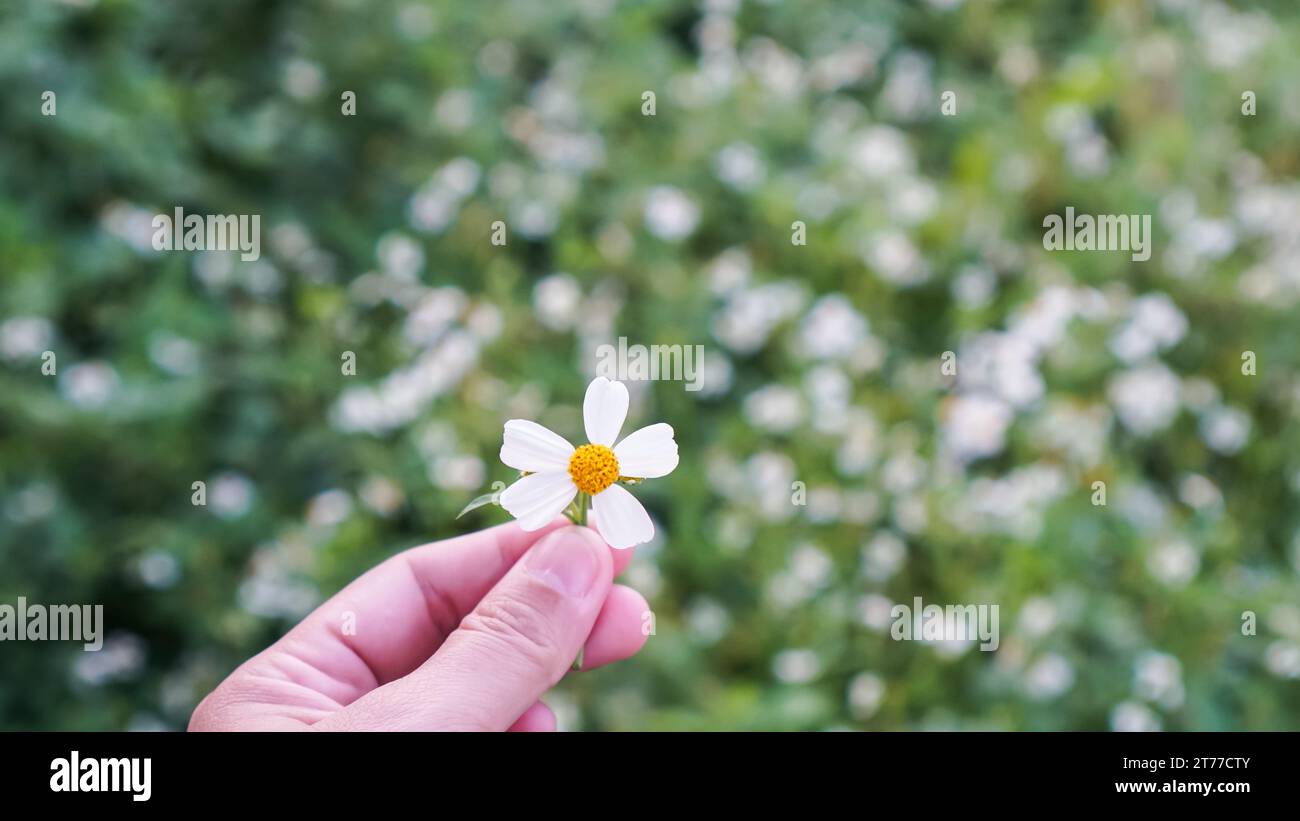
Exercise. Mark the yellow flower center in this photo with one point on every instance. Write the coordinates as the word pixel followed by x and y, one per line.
pixel 593 468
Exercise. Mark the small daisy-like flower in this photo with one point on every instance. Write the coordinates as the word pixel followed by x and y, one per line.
pixel 557 473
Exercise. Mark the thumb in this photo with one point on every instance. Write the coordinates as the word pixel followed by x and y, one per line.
pixel 516 644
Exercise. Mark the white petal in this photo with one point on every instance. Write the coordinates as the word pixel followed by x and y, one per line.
pixel 536 500
pixel 647 453
pixel 603 410
pixel 529 446
pixel 620 518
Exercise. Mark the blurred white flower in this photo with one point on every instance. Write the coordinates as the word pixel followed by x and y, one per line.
pixel 534 218
pixel 734 531
pixel 457 472
pixel 460 176
pixel 910 513
pixel 158 569
pixel 381 494
pixel 974 286
pixel 1134 717
pixel 175 354
pixel 832 328
pixel 843 67
pixel 883 556
pixel 876 612
pixel 1146 399
pixel 858 451
pixel 739 165
pixel 908 86
pixel 825 504
pixel 1043 322
pixel 401 396
pixel 796 666
pixel 436 203
pixel 400 256
pixel 1079 431
pixel 718 375
pixel 1173 563
pixel 729 271
pixel 1285 619
pixel 133 225
pixel 769 475
pixel 121 657
pixel 1018 64
pixel 557 299
pixel 670 214
pixel 1141 507
pixel 34 502
pixel 830 391
pixel 1011 504
pixel 89 385
pixel 1198 242
pixel 25 337
pixel 272 592
pixel 774 408
pixel 1199 492
pixel 303 79
pixel 484 321
pixel 1037 617
pixel 454 110
pixel 860 507
pixel 1199 393
pixel 1282 658
pixel 708 620
pixel 1001 365
pixel 230 495
pixel 1228 37
pixel 913 201
pixel 749 316
pixel 778 69
pixel 1158 677
pixel 880 152
pixel 644 577
pixel 1155 324
pixel 811 566
pixel 975 426
pixel 1226 430
pixel 866 692
pixel 892 254
pixel 433 314
pixel 1049 677
pixel 329 508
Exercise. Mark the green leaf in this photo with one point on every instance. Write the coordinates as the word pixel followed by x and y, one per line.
pixel 485 499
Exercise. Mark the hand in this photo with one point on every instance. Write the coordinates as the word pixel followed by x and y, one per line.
pixel 464 634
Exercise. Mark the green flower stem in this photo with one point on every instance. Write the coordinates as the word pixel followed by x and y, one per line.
pixel 579 517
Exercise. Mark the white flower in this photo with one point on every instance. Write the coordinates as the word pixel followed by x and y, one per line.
pixel 557 471
pixel 670 214
pixel 1146 399
pixel 976 426
pixel 1134 717
pixel 1049 677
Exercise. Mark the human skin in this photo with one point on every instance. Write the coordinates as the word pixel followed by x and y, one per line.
pixel 462 634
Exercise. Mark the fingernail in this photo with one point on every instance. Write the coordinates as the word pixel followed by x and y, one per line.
pixel 567 560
